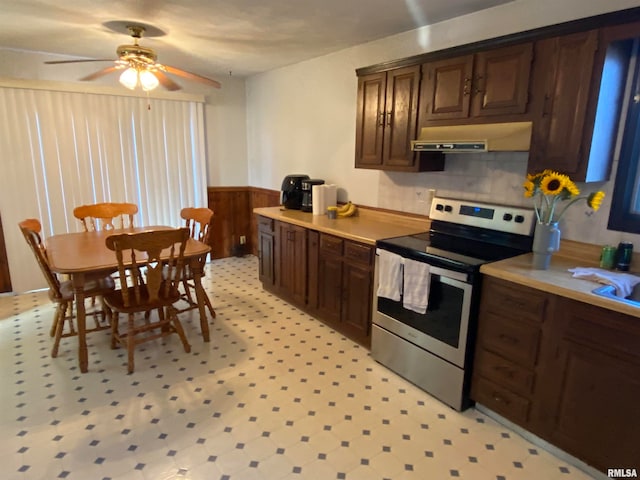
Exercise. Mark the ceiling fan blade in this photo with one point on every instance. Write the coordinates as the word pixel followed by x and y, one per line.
pixel 99 73
pixel 56 62
pixel 192 76
pixel 166 82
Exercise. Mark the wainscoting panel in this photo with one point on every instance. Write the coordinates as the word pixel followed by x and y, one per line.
pixel 234 218
pixel 5 279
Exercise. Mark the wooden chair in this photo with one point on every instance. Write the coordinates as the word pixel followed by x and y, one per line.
pixel 198 221
pixel 105 216
pixel 159 254
pixel 62 292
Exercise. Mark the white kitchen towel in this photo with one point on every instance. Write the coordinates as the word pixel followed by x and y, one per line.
pixel 623 282
pixel 389 275
pixel 416 286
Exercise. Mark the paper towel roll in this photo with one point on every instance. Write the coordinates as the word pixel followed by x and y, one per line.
pixel 317 196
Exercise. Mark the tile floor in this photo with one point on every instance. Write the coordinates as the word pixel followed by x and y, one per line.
pixel 275 395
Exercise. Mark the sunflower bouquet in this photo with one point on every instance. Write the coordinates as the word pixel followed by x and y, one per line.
pixel 549 189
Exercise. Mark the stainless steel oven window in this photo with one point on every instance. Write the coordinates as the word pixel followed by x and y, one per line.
pixel 443 329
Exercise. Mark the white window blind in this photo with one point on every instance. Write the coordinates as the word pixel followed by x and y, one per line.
pixel 64 149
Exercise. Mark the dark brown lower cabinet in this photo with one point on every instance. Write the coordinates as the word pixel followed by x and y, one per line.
pixel 313 257
pixel 345 279
pixel 266 259
pixel 328 276
pixel 291 262
pixel 595 374
pixel 565 370
pixel 357 282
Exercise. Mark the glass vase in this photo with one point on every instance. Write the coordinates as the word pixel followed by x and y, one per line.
pixel 546 241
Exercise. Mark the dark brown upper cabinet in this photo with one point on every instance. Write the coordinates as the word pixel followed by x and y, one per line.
pixel 386 120
pixel 568 79
pixel 583 84
pixel 559 134
pixel 485 84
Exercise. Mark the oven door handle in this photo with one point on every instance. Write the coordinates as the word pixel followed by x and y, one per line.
pixel 460 276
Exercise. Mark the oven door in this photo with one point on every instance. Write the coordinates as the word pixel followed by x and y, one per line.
pixel 442 329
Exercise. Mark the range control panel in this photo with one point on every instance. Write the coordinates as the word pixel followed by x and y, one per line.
pixel 504 218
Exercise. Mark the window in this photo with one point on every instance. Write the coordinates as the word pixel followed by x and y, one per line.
pixel 61 149
pixel 625 204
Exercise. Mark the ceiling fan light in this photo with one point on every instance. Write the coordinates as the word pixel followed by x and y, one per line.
pixel 148 80
pixel 129 78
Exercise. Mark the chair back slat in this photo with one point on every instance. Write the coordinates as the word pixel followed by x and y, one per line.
pixel 106 216
pixel 198 221
pixel 31 229
pixel 158 254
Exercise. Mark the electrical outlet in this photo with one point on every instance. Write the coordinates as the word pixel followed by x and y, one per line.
pixel 243 239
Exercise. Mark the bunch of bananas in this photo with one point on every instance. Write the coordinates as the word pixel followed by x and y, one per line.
pixel 347 210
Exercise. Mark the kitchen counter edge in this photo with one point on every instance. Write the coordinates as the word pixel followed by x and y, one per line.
pixel 366 226
pixel 556 280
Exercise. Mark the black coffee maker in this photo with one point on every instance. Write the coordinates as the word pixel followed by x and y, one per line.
pixel 291 193
pixel 307 193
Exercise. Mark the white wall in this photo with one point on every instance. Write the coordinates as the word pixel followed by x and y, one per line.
pixel 301 119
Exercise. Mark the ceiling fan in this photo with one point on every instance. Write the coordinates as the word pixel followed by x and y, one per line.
pixel 139 66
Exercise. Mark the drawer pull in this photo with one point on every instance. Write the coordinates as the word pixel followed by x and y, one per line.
pixel 499 399
pixel 512 302
pixel 505 370
pixel 507 338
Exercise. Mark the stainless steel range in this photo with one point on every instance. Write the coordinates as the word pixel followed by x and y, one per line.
pixel 426 306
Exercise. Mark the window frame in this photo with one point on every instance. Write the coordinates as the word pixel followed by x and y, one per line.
pixel 627 184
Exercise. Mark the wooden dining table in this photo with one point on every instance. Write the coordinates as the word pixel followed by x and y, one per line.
pixel 85 254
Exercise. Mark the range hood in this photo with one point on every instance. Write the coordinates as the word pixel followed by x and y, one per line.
pixel 488 137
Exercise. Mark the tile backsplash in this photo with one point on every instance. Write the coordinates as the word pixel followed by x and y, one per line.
pixel 496 178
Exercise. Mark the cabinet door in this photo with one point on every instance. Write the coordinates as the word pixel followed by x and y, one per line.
pixel 330 287
pixel 370 119
pixel 313 257
pixel 595 375
pixel 291 272
pixel 558 135
pixel 597 416
pixel 400 117
pixel 501 81
pixel 266 258
pixel 446 89
pixel 356 303
pixel 266 272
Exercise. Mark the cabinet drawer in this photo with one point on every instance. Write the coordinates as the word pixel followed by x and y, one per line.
pixel 358 252
pixel 514 340
pixel 511 299
pixel 331 244
pixel 265 224
pixel 500 400
pixel 504 372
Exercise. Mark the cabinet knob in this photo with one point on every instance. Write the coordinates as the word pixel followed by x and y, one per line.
pixel 477 84
pixel 389 116
pixel 467 86
pixel 381 119
pixel 546 107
